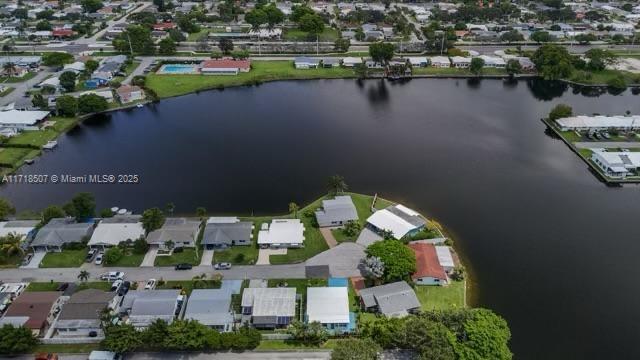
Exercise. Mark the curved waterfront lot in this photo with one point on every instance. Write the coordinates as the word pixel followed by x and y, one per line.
pixel 551 248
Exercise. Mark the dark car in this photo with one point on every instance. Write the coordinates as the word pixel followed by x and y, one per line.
pixel 183 266
pixel 62 287
pixel 124 288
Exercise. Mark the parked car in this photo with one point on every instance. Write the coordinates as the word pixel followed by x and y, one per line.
pixel 179 304
pixel 62 287
pixel 606 135
pixel 124 288
pixel 112 276
pixel 99 259
pixel 27 259
pixel 104 355
pixel 183 266
pixel 91 254
pixel 222 266
pixel 150 285
pixel 116 285
pixel 46 356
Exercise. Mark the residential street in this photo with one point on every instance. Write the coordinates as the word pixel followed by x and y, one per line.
pixel 22 87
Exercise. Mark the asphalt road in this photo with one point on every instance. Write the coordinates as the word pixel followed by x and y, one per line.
pixel 293 271
pixel 22 87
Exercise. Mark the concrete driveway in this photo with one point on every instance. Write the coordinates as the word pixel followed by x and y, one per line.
pixel 207 257
pixel 343 260
pixel 150 256
pixel 35 260
pixel 263 255
pixel 367 237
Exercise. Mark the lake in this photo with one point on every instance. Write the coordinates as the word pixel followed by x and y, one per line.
pixel 551 248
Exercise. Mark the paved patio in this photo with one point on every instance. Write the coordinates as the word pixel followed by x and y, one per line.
pixel 263 255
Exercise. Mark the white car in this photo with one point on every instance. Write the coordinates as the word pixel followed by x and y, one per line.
pixel 99 259
pixel 112 276
pixel 116 285
pixel 150 285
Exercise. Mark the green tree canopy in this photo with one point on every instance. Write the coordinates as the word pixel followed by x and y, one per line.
pixel 399 260
pixel 560 111
pixel 553 62
pixel 152 219
pixel 541 37
pixel 141 41
pixel 167 46
pixel 486 336
pixel 599 59
pixel 67 106
pixel 92 103
pixel 68 80
pixel 16 340
pixel 381 52
pixel 476 65
pixel 82 206
pixel 56 58
pixel 298 11
pixel 52 212
pixel 355 349
pixel 91 6
pixel 121 338
pixel 513 67
pixel 311 23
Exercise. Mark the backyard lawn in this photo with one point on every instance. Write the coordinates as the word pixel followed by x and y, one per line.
pixel 174 85
pixel 14 79
pixel 129 260
pixel 441 297
pixel 242 255
pixel 43 286
pixel 14 157
pixel 329 34
pixel 66 348
pixel 65 258
pixel 188 256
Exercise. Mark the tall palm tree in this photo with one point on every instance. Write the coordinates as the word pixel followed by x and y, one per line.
pixel 293 208
pixel 9 68
pixel 84 275
pixel 11 244
pixel 337 185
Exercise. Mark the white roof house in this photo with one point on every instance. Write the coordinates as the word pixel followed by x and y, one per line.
pixel 19 227
pixel 282 232
pixel 493 61
pixel 328 305
pixel 439 61
pixel 616 164
pixel 461 61
pixel 223 220
pixel 582 122
pixel 418 60
pixel 398 219
pixel 21 119
pixel 445 258
pixel 111 231
pixel 351 61
pixel 76 67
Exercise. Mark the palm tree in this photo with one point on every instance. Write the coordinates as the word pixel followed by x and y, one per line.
pixel 11 244
pixel 293 208
pixel 9 68
pixel 83 276
pixel 337 185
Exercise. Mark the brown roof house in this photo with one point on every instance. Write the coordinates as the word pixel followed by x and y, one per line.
pixel 34 310
pixel 81 315
pixel 428 268
pixel 129 93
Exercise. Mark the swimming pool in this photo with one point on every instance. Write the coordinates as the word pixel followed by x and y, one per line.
pixel 178 69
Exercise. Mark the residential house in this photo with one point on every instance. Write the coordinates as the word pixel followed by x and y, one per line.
pixel 142 307
pixel 106 94
pixel 220 233
pixel 440 61
pixel 330 307
pixel 211 307
pixel 392 300
pixel 76 67
pixel 59 232
pixel 330 62
pixel 225 66
pixel 182 232
pixel 129 93
pixel 616 164
pixel 24 228
pixel 281 233
pixel 111 231
pixel 164 26
pixel 418 61
pixel 428 268
pixel 398 219
pixel 303 62
pixel 62 33
pixel 269 307
pixel 19 120
pixel 461 62
pixel 336 212
pixel 351 61
pixel 493 61
pixel 33 310
pixel 81 315
pixel 445 258
pixel 598 123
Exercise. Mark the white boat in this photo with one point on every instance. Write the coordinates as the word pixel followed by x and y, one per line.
pixel 139 105
pixel 50 145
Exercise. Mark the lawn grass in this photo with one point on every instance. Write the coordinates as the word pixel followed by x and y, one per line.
pixel 328 34
pixel 39 138
pixel 14 79
pixel 173 85
pixel 441 297
pixel 129 260
pixel 13 157
pixel 65 258
pixel 293 345
pixel 188 285
pixel 237 255
pixel 604 76
pixel 188 255
pixel 340 236
pixel 43 286
pixel 66 348
pixel 6 91
pixel 429 70
pixel 198 35
pixel 12 261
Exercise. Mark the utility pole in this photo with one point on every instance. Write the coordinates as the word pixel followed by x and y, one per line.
pixel 130 46
pixel 317 44
pixel 442 44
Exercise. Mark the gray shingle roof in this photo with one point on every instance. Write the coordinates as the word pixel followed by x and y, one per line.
pixel 61 231
pixel 210 307
pixel 150 302
pixel 224 234
pixel 339 209
pixel 393 299
pixel 85 305
pixel 177 230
